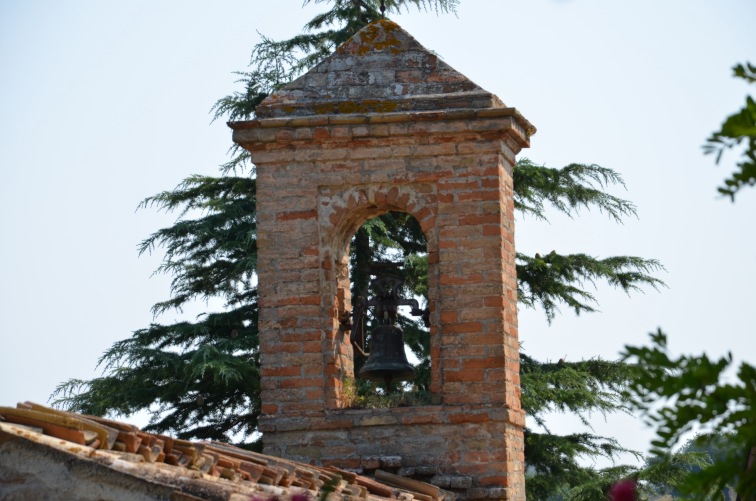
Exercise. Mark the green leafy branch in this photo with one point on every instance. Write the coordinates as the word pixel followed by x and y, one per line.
pixel 738 128
pixel 681 394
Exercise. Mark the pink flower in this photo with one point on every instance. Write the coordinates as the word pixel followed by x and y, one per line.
pixel 624 490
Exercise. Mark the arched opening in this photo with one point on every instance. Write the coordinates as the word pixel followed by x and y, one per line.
pixel 389 249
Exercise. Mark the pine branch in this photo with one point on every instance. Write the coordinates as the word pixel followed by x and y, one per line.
pixel 198 380
pixel 549 280
pixel 667 473
pixel 580 388
pixel 213 255
pixel 553 467
pixel 567 189
pixel 438 6
pixel 241 105
pixel 554 470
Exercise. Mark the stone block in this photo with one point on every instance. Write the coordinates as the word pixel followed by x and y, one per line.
pixel 391 461
pixel 460 482
pixel 443 481
pixel 487 493
pixel 426 470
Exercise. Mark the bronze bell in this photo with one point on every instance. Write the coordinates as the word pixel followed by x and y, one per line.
pixel 387 360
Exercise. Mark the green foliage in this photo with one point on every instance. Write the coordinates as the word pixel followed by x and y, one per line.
pixel 553 469
pixel 580 388
pixel 554 279
pixel 568 189
pixel 738 128
pixel 215 254
pixel 682 394
pixel 554 472
pixel 665 473
pixel 361 394
pixel 583 389
pixel 547 280
pixel 198 380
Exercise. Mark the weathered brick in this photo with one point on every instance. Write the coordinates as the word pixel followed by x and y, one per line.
pixel 269 408
pixel 481 363
pixel 462 278
pixel 463 375
pixel 462 327
pixel 271 372
pixel 313 382
pixel 312 347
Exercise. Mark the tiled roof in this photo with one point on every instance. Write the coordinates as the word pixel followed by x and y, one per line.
pixel 51 450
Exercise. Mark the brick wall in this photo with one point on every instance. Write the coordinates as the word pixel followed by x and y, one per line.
pixel 323 169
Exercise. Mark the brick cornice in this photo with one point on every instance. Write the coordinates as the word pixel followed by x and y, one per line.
pixel 345 419
pixel 524 127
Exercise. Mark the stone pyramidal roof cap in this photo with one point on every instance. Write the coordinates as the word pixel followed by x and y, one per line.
pixel 381 69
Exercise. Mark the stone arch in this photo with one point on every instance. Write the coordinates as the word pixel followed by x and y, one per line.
pixel 342 211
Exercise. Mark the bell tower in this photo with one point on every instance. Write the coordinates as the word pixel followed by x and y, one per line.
pixel 385 125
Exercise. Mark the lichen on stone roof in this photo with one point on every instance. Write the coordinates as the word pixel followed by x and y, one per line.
pixel 381 69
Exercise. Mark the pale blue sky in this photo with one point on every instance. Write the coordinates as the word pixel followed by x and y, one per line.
pixel 105 103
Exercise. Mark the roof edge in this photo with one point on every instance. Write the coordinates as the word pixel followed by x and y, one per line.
pixel 390 117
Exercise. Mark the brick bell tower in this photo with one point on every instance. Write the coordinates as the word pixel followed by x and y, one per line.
pixel 384 125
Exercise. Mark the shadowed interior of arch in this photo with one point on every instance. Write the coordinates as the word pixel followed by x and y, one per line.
pixel 394 244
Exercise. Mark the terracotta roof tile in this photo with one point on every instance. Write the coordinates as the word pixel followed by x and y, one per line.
pixel 33 438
